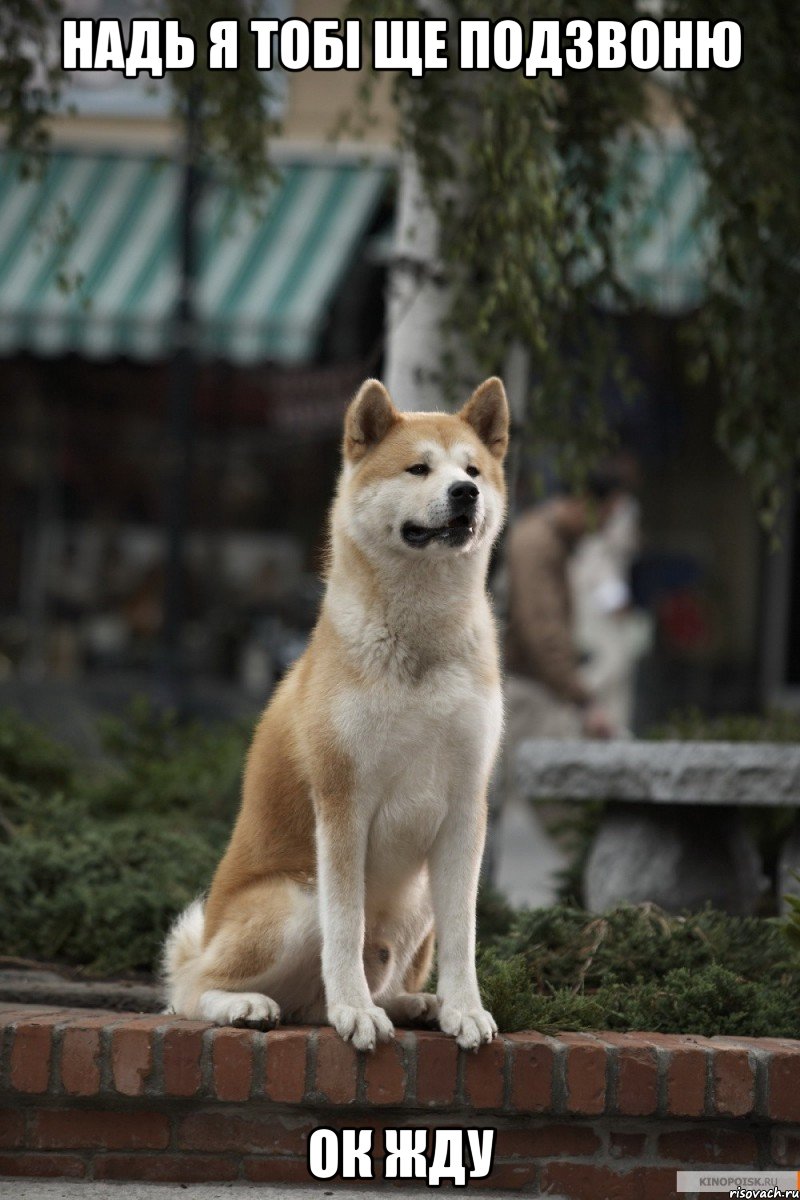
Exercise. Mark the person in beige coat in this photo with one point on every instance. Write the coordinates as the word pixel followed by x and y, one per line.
pixel 545 694
pixel 545 688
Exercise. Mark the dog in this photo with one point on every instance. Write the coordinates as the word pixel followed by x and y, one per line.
pixel 363 812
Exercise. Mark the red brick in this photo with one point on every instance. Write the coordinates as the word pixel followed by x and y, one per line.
pixel 784 1085
pixel 637 1074
pixel 507 1177
pixel 709 1147
pixel 79 1017
pixel 385 1073
pixel 142 1020
pixel 626 1145
pixel 286 1065
pixel 585 1074
pixel 220 1132
pixel 74 1129
pixel 182 1050
pixel 658 1183
pixel 687 1071
pixel 10 1014
pixel 132 1057
pixel 673 1041
pixel 532 1059
pixel 337 1066
pixel 31 1054
pixel 12 1128
pixel 785 1148
pixel 548 1141
pixel 278 1170
pixel 581 1181
pixel 437 1062
pixel 232 1063
pixel 80 1061
pixel 734 1083
pixel 41 1166
pixel 166 1168
pixel 752 1043
pixel 483 1075
pixel 368 1120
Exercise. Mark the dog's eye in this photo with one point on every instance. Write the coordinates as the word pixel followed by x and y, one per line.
pixel 419 469
pixel 472 471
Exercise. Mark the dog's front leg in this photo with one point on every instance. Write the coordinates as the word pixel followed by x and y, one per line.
pixel 341 857
pixel 454 866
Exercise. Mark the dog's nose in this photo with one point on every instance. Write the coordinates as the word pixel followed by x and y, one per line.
pixel 462 494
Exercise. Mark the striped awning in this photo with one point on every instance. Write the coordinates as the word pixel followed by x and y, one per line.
pixel 89 257
pixel 663 246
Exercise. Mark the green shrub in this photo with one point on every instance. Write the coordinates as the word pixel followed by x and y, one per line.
pixel 95 863
pixel 30 756
pixel 160 765
pixel 567 947
pixel 637 968
pixel 96 860
pixel 710 1002
pixel 692 725
pixel 792 922
pixel 100 895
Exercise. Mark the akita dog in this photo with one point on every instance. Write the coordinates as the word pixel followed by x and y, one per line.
pixel 363 814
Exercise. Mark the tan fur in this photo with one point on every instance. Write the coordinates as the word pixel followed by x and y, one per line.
pixel 304 770
pixel 417 974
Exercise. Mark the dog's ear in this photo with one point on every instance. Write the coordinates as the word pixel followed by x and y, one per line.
pixel 369 418
pixel 487 412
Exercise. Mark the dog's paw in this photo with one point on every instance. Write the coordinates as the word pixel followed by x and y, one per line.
pixel 413 1006
pixel 469 1026
pixel 361 1026
pixel 249 1009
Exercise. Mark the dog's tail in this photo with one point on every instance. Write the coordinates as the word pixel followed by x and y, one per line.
pixel 182 950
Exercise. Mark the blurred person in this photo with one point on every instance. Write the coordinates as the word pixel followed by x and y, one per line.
pixel 547 695
pixel 611 634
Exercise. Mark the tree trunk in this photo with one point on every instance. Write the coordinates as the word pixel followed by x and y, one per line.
pixel 417 300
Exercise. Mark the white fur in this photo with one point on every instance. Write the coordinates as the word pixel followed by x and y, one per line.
pixel 421 727
pixel 423 732
pixel 239 1008
pixel 184 943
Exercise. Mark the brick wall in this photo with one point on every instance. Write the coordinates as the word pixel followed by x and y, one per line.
pixel 104 1095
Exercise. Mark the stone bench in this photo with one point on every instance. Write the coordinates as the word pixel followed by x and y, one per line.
pixel 672 831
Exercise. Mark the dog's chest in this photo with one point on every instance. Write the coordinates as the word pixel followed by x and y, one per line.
pixel 392 731
pixel 415 750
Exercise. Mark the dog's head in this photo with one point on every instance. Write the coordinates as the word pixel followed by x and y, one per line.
pixel 427 484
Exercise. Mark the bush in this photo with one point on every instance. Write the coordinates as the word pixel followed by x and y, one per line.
pixel 96 860
pixel 95 863
pixel 30 756
pixel 637 968
pixel 160 766
pixel 100 895
pixel 691 725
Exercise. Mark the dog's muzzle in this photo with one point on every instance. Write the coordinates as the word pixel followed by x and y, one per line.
pixel 462 498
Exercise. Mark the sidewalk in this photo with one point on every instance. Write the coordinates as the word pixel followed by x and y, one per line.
pixel 527 857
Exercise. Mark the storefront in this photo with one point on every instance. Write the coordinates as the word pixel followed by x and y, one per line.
pixel 289 315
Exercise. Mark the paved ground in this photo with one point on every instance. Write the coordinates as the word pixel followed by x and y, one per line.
pixel 527 858
pixel 24 1189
